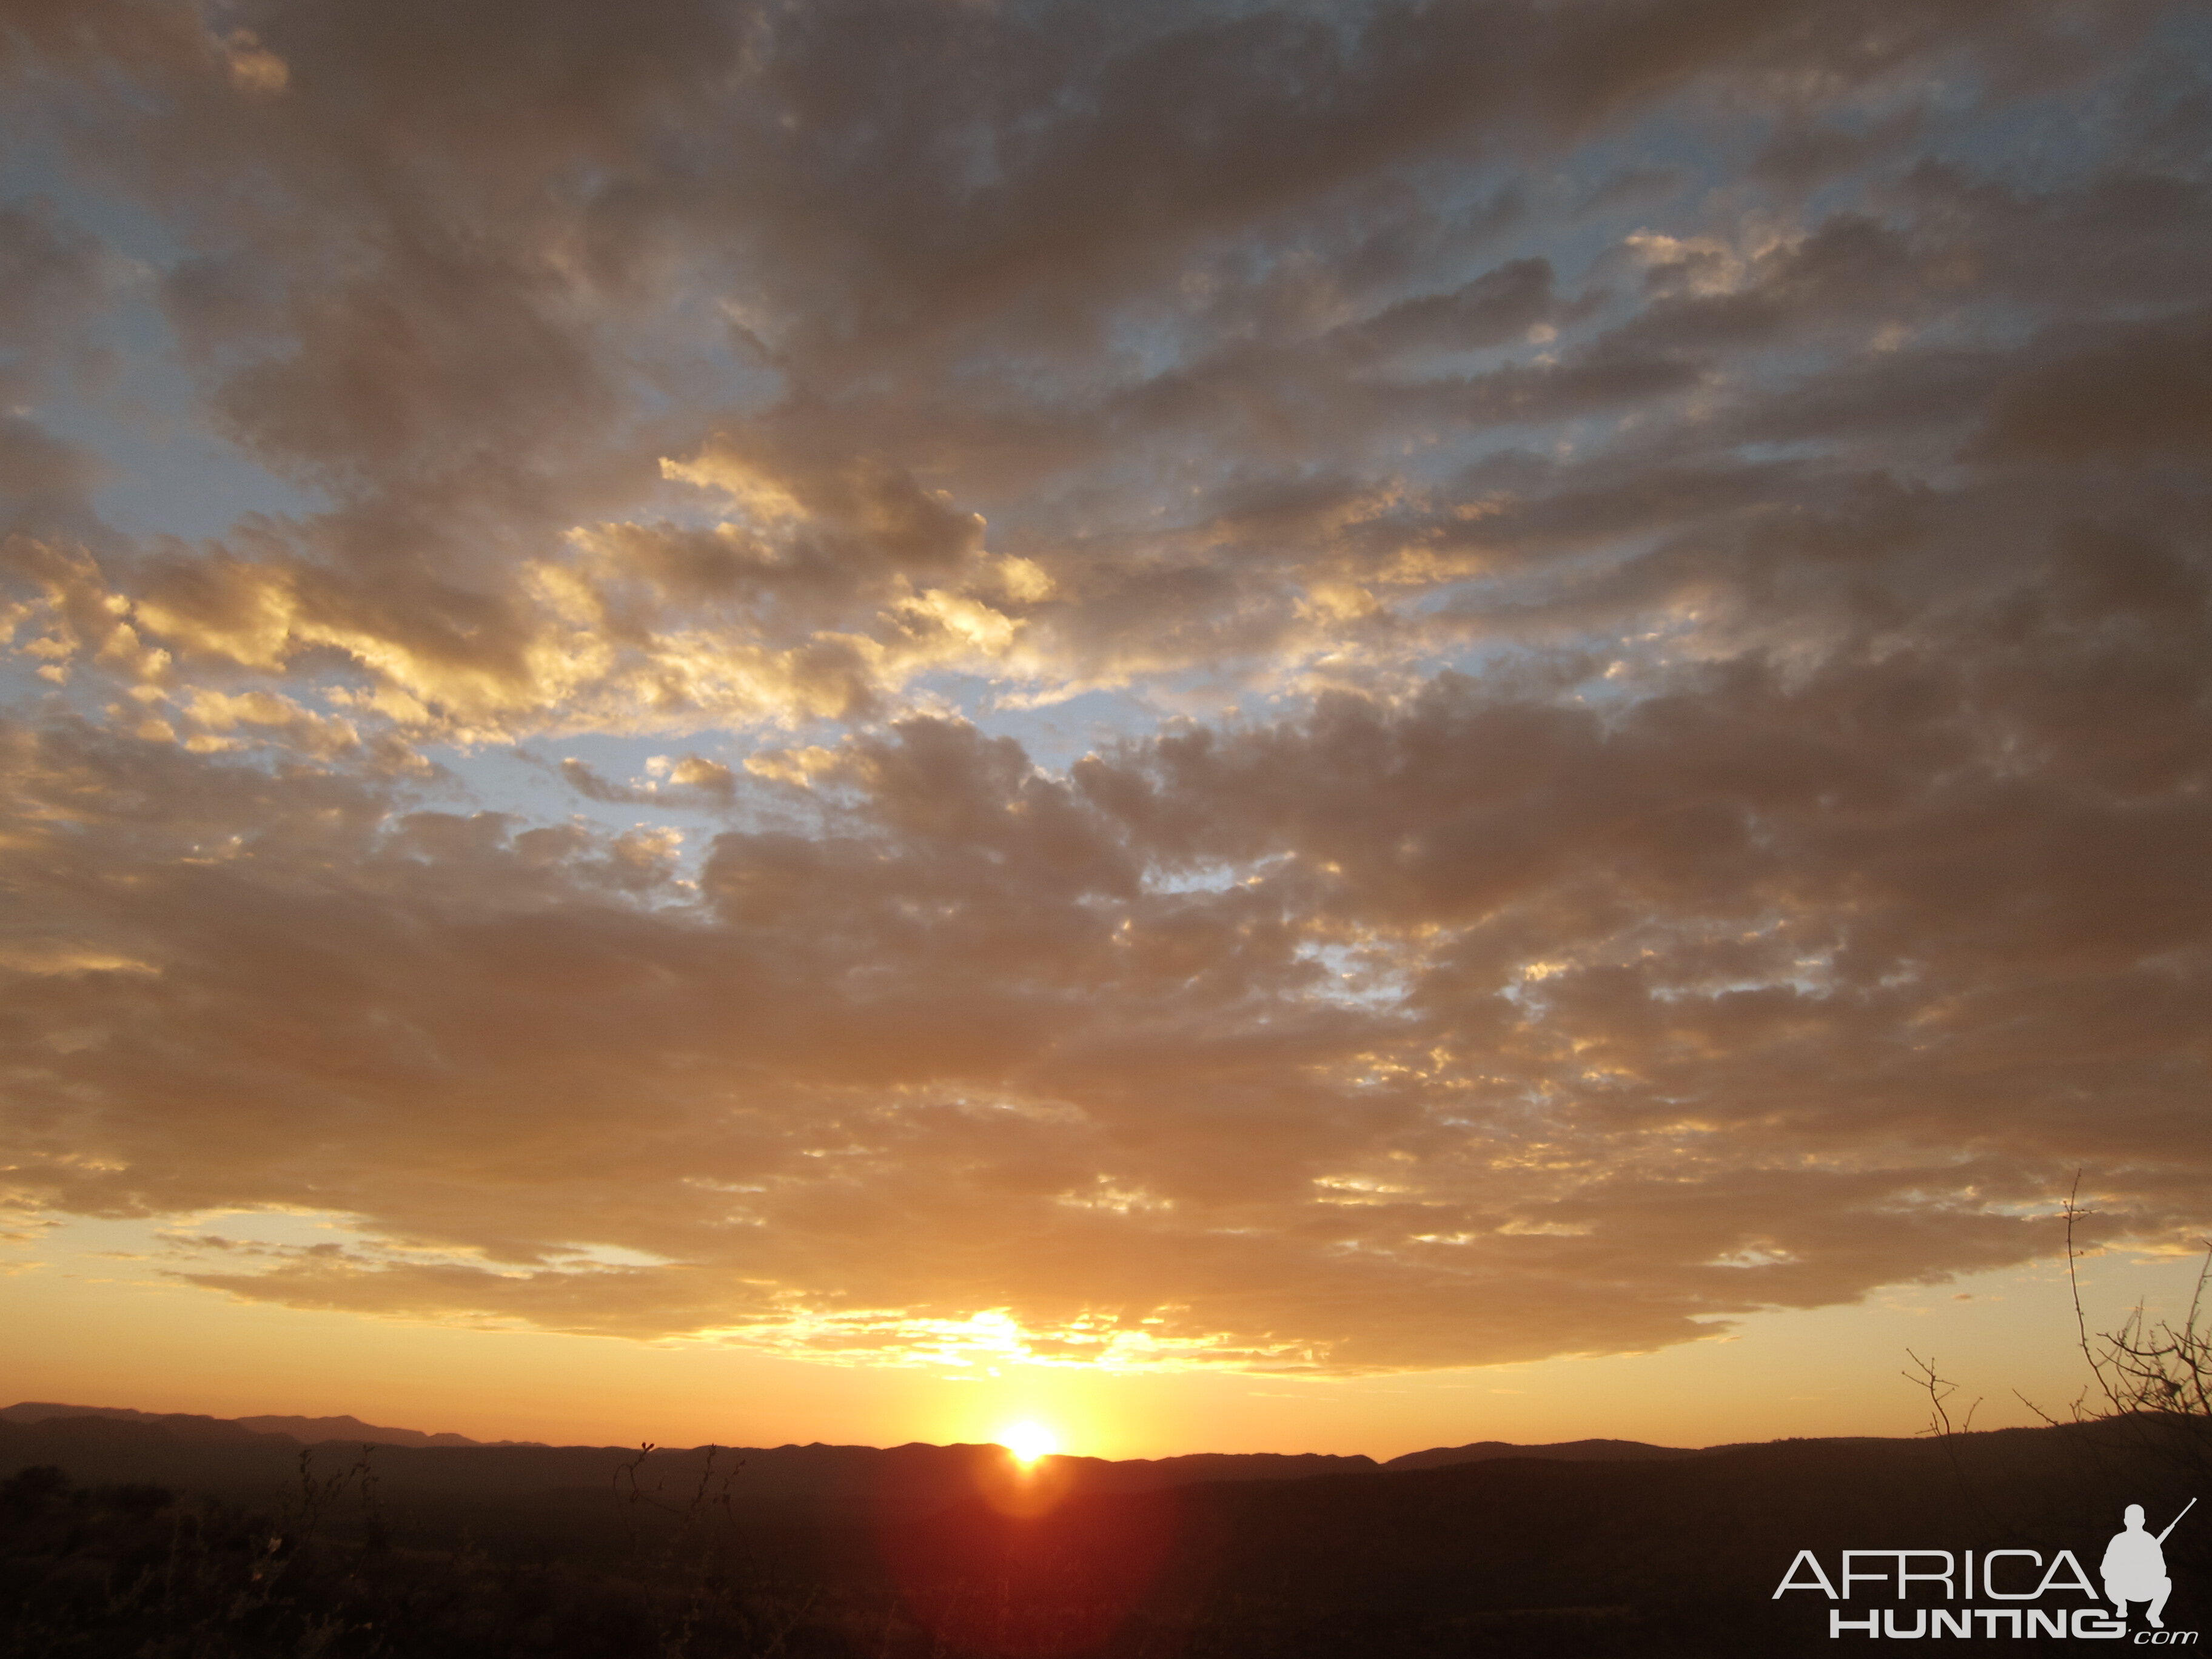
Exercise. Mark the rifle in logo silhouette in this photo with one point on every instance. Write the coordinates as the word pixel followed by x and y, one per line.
pixel 2176 1522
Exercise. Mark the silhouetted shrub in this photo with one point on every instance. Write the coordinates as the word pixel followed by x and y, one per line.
pixel 32 1491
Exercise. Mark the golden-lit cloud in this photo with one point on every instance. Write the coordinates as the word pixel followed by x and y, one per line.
pixel 1143 689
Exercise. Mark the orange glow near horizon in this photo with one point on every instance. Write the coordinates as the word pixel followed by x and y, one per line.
pixel 93 1321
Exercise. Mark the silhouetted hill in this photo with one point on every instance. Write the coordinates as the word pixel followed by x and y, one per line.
pixel 842 1469
pixel 1549 1555
pixel 822 1466
pixel 828 1552
pixel 312 1430
pixel 308 1431
pixel 1565 1451
pixel 180 1426
pixel 222 1457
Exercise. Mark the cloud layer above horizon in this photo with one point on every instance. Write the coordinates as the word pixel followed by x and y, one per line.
pixel 1327 687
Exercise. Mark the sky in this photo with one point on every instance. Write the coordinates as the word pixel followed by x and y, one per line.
pixel 1242 726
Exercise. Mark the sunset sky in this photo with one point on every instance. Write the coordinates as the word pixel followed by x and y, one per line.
pixel 1324 727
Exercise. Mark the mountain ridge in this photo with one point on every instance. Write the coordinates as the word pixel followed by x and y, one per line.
pixel 1562 1451
pixel 319 1431
pixel 225 1454
pixel 307 1431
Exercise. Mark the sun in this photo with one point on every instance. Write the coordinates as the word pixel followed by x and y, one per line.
pixel 1029 1441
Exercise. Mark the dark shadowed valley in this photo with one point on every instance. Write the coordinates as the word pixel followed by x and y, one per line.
pixel 136 1533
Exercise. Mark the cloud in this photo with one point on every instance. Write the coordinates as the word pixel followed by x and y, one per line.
pixel 2146 391
pixel 1487 1000
pixel 1354 706
pixel 679 780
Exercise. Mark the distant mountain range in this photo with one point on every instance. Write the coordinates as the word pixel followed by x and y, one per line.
pixel 1138 1472
pixel 1592 1549
pixel 250 1455
pixel 1563 1451
pixel 307 1431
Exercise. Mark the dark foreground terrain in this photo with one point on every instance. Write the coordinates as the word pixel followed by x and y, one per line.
pixel 199 1539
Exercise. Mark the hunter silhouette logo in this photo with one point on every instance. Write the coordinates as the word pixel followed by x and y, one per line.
pixel 2133 1570
pixel 2135 1566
